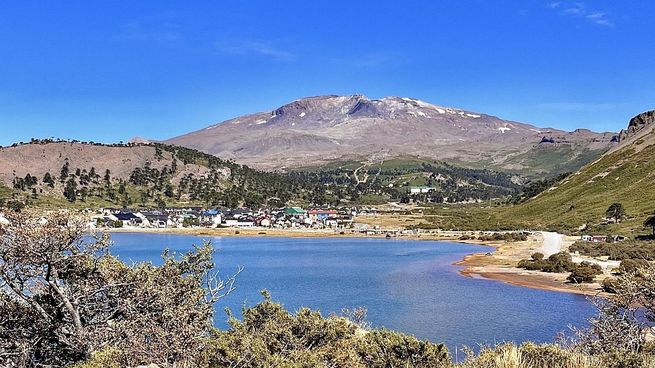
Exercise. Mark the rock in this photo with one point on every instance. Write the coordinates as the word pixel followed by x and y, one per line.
pixel 636 124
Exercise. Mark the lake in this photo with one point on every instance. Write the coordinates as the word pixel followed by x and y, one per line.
pixel 407 285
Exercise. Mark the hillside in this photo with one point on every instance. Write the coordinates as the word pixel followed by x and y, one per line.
pixel 625 174
pixel 52 173
pixel 328 129
pixel 56 174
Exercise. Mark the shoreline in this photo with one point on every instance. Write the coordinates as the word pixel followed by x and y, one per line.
pixel 499 264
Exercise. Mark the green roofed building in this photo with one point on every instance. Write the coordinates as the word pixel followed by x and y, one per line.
pixel 295 211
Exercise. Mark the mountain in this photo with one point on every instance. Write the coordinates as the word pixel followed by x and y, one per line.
pixel 90 174
pixel 319 130
pixel 625 174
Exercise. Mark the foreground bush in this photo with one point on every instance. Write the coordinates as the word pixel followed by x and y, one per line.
pixel 65 301
pixel 531 355
pixel 64 297
pixel 271 336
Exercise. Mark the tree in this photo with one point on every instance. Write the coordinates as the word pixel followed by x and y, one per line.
pixel 144 198
pixel 650 222
pixel 623 319
pixel 615 211
pixel 70 191
pixel 63 174
pixel 64 297
pixel 161 204
pixel 47 178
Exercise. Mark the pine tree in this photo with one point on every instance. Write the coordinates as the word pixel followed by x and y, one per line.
pixel 70 191
pixel 64 172
pixel 47 178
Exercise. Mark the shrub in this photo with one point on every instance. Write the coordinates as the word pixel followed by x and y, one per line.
pixel 609 285
pixel 585 272
pixel 268 335
pixel 629 249
pixel 632 265
pixel 67 298
pixel 558 262
pixel 384 348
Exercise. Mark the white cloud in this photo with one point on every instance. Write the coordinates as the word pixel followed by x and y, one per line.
pixel 161 28
pixel 263 48
pixel 580 10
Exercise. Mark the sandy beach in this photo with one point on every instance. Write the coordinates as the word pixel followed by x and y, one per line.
pixel 501 264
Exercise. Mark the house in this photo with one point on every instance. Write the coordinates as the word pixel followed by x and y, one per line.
pixel 230 220
pixel 128 218
pixel 210 218
pixel 3 220
pixel 417 190
pixel 320 214
pixel 603 238
pixel 295 211
pixel 157 219
pixel 245 223
pixel 265 222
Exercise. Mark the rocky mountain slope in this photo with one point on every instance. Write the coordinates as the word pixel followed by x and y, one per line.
pixel 625 174
pixel 40 158
pixel 87 174
pixel 318 130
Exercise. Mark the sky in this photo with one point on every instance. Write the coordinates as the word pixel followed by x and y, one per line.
pixel 106 71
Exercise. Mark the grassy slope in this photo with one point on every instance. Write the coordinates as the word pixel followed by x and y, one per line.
pixel 4 191
pixel 543 160
pixel 624 176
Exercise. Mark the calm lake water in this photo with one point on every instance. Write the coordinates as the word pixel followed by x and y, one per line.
pixel 407 285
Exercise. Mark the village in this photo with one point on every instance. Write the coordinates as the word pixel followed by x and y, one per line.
pixel 287 218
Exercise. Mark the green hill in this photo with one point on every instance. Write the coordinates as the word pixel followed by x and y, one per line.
pixel 625 174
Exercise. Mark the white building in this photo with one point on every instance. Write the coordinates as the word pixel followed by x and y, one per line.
pixel 417 190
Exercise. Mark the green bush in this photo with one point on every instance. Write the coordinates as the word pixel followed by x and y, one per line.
pixel 609 285
pixel 558 262
pixel 632 265
pixel 585 272
pixel 269 335
pixel 385 348
pixel 629 249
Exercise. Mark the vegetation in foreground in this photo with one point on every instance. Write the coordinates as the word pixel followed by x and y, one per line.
pixel 67 301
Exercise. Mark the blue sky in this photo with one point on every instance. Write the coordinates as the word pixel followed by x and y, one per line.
pixel 109 70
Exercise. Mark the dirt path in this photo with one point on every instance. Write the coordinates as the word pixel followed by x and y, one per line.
pixel 552 243
pixel 356 173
